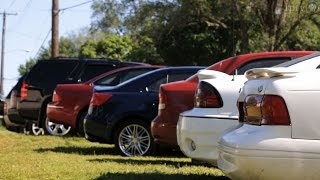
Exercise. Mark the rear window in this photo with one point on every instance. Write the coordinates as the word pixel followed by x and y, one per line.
pixel 298 60
pixel 50 71
pixel 92 71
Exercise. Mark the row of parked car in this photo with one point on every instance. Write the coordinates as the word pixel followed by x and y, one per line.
pixel 216 115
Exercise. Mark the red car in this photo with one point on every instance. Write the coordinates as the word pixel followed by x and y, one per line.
pixel 177 97
pixel 70 102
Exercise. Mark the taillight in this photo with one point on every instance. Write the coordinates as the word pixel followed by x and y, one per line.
pixel 24 91
pixel 99 98
pixel 266 110
pixel 162 99
pixel 207 96
pixel 56 97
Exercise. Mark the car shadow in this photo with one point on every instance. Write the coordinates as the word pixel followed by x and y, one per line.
pixel 158 176
pixel 80 150
pixel 163 152
pixel 140 161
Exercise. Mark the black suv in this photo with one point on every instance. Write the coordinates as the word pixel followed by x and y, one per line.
pixel 38 85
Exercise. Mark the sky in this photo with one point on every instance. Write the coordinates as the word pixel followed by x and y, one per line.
pixel 27 31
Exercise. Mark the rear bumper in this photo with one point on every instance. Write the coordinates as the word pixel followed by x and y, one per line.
pixel 61 115
pixel 13 118
pixel 164 132
pixel 198 136
pixel 257 152
pixel 96 131
pixel 29 110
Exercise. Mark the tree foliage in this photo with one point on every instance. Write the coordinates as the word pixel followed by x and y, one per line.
pixel 193 32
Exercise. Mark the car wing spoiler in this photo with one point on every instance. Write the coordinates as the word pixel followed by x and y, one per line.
pixel 270 72
pixel 211 74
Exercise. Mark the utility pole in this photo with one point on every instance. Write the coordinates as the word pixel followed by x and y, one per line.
pixel 55 29
pixel 4 15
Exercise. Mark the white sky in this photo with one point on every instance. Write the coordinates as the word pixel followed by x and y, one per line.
pixel 27 31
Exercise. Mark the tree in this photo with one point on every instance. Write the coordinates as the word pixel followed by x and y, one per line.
pixel 23 68
pixel 111 46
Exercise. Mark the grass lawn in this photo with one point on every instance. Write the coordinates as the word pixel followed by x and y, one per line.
pixel 47 157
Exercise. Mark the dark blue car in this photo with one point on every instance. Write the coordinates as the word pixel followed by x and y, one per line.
pixel 122 114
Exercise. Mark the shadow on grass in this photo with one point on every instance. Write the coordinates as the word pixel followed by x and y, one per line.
pixel 158 176
pixel 80 150
pixel 131 161
pixel 104 151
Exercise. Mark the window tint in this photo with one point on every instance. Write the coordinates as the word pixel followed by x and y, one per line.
pixel 156 84
pixel 298 60
pixel 260 63
pixel 92 71
pixel 133 73
pixel 110 80
pixel 167 79
pixel 53 72
pixel 119 77
pixel 179 77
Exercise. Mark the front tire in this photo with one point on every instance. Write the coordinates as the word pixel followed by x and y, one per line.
pixel 133 138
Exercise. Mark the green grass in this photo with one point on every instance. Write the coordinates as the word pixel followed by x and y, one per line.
pixel 47 157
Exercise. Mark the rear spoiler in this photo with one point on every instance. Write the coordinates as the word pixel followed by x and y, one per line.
pixel 270 72
pixel 211 74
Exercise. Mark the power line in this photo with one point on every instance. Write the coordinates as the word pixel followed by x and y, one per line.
pixel 63 9
pixel 22 14
pixel 11 4
pixel 43 43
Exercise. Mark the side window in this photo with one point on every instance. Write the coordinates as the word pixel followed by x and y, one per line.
pixel 260 63
pixel 53 72
pixel 179 77
pixel 156 84
pixel 94 70
pixel 110 80
pixel 133 73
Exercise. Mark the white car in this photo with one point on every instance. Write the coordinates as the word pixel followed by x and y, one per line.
pixel 280 138
pixel 199 130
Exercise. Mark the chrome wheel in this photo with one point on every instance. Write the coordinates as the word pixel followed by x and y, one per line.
pixel 134 140
pixel 56 129
pixel 36 130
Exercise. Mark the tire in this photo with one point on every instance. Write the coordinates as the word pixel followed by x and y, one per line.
pixel 33 128
pixel 80 128
pixel 55 129
pixel 133 138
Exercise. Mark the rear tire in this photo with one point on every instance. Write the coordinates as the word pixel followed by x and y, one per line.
pixel 55 129
pixel 133 138
pixel 80 128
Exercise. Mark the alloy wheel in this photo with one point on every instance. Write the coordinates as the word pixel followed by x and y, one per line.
pixel 134 140
pixel 36 130
pixel 56 129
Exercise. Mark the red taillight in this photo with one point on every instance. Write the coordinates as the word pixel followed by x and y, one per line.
pixel 162 99
pixel 24 91
pixel 99 98
pixel 266 110
pixel 207 96
pixel 56 97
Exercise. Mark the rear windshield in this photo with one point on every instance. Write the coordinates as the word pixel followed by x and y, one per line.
pixel 50 72
pixel 298 60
